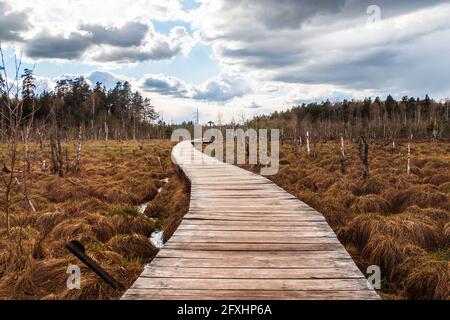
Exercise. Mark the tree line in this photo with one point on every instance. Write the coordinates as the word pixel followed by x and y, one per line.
pixel 119 113
pixel 375 119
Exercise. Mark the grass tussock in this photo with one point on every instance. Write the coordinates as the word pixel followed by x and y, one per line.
pixel 369 204
pixel 133 247
pixel 99 207
pixel 427 277
pixel 388 252
pixel 391 219
pixel 423 196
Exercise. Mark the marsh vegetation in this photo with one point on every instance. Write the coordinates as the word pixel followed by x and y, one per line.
pixel 98 206
pixel 396 220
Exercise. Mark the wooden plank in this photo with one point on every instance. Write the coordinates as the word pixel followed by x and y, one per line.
pixel 211 254
pixel 251 284
pixel 246 273
pixel 224 246
pixel 260 224
pixel 255 239
pixel 255 234
pixel 246 238
pixel 252 263
pixel 248 217
pixel 253 228
pixel 171 294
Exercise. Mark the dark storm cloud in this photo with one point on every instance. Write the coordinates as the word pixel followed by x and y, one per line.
pixel 160 51
pixel 57 47
pixel 131 34
pixel 12 23
pixel 289 13
pixel 330 43
pixel 76 44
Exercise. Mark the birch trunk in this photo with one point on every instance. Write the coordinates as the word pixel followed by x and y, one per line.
pixel 80 136
pixel 343 158
pixel 308 144
pixel 106 131
pixel 408 167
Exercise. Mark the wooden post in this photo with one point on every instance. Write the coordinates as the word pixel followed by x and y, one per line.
pixel 78 250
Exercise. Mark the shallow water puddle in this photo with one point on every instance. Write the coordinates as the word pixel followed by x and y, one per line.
pixel 143 207
pixel 157 239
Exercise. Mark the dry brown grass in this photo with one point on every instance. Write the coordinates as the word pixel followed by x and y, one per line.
pixel 424 196
pixel 425 277
pixel 392 219
pixel 388 252
pixel 133 247
pixel 369 204
pixel 99 207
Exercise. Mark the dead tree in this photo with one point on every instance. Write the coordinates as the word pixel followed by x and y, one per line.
pixel 57 154
pixel 12 121
pixel 55 145
pixel 408 166
pixel 364 155
pixel 308 144
pixel 78 160
pixel 343 158
pixel 106 131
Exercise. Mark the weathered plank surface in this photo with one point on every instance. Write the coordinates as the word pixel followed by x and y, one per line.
pixel 246 238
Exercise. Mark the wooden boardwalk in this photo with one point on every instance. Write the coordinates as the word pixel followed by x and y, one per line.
pixel 246 238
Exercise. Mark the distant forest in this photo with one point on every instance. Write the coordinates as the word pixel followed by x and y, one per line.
pixel 74 106
pixel 375 119
pixel 76 110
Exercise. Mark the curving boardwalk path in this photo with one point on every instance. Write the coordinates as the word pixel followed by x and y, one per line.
pixel 246 238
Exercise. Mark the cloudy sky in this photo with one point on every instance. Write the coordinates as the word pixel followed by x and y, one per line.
pixel 236 57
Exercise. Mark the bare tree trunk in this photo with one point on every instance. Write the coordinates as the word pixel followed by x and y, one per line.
pixel 94 132
pixel 25 192
pixel 446 110
pixel 343 158
pixel 94 105
pixel 106 131
pixel 408 167
pixel 67 161
pixel 134 127
pixel 27 150
pixel 78 161
pixel 364 155
pixel 41 143
pixel 308 144
pixel 14 116
pixel 57 156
